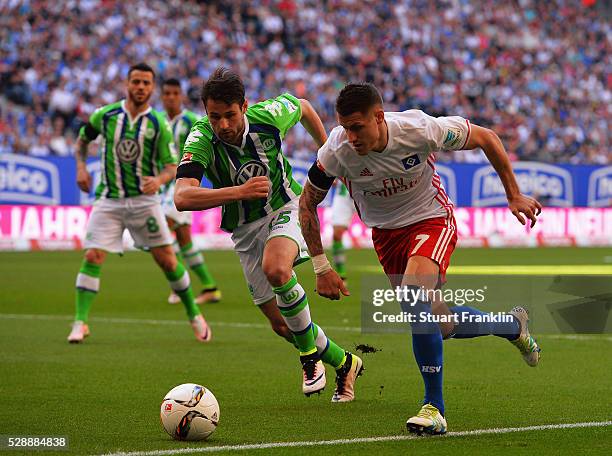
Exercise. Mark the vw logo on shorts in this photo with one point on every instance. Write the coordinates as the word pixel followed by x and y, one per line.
pixel 128 150
pixel 250 169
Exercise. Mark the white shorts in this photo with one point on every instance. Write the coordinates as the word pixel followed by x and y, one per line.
pixel 342 210
pixel 141 215
pixel 170 210
pixel 179 218
pixel 251 238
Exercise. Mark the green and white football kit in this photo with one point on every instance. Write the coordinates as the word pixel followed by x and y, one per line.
pixel 342 207
pixel 130 150
pixel 251 238
pixel 342 210
pixel 254 222
pixel 181 126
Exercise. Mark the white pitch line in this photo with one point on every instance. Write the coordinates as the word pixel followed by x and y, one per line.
pixel 144 321
pixel 390 438
pixel 574 337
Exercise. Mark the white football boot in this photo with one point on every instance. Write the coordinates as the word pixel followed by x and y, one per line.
pixel 80 331
pixel 201 330
pixel 313 375
pixel 526 344
pixel 429 420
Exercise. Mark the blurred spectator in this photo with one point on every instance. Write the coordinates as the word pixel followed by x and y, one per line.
pixel 61 143
pixel 536 72
pixel 5 145
pixel 62 104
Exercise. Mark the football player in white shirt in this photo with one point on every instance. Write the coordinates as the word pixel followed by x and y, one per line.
pixel 386 161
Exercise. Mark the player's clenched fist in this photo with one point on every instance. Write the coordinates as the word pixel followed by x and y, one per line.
pixel 150 185
pixel 83 179
pixel 255 188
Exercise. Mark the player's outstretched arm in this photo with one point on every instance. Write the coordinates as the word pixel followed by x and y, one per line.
pixel 329 283
pixel 312 123
pixel 189 196
pixel 493 148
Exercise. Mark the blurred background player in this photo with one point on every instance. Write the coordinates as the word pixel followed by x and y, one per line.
pixel 342 213
pixel 181 120
pixel 386 160
pixel 137 141
pixel 238 147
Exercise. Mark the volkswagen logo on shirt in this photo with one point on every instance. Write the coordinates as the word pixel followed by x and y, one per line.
pixel 128 150
pixel 250 169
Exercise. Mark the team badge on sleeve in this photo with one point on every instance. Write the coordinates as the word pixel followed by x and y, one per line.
pixel 452 137
pixel 187 156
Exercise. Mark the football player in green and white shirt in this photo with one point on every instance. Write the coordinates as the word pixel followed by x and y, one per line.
pixel 238 148
pixel 136 143
pixel 181 120
pixel 342 211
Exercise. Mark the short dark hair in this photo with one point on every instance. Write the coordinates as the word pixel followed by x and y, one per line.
pixel 223 85
pixel 172 82
pixel 357 97
pixel 141 67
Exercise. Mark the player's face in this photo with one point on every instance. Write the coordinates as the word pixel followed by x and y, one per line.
pixel 227 121
pixel 172 98
pixel 363 130
pixel 140 87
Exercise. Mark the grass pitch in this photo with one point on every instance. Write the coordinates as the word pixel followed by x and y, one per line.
pixel 104 395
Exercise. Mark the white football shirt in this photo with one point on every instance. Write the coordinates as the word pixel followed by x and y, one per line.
pixel 398 186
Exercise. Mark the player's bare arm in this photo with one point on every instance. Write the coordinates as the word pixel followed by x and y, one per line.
pixel 310 198
pixel 83 176
pixel 189 196
pixel 151 184
pixel 493 148
pixel 312 123
pixel 329 283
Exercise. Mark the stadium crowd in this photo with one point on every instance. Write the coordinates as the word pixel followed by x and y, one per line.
pixel 536 72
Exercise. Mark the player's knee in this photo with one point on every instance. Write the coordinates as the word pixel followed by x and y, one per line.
pixel 276 274
pixel 95 256
pixel 183 236
pixel 167 262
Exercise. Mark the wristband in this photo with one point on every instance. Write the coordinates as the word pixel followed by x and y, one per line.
pixel 321 264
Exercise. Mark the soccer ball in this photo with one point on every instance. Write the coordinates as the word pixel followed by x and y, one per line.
pixel 189 412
